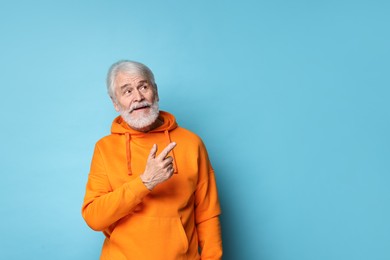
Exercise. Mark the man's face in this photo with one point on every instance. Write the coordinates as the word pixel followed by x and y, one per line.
pixel 136 100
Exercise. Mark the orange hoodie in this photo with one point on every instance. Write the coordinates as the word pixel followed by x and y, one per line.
pixel 171 222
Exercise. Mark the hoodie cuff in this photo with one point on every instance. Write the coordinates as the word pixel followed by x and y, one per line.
pixel 138 188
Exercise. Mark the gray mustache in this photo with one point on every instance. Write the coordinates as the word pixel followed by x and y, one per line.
pixel 139 105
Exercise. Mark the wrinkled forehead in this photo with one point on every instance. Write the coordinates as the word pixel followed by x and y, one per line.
pixel 133 79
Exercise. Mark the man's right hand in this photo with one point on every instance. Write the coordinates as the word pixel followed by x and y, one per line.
pixel 158 169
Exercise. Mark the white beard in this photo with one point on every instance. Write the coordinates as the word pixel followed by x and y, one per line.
pixel 140 121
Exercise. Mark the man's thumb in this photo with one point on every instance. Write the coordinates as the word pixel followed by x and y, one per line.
pixel 153 151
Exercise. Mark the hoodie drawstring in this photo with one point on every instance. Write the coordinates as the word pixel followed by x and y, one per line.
pixel 128 153
pixel 173 153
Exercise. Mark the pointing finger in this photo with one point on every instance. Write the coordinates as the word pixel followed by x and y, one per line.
pixel 167 149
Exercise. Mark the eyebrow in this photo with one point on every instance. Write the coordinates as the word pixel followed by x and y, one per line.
pixel 138 84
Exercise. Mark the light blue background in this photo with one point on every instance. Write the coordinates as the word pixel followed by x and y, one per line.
pixel 290 97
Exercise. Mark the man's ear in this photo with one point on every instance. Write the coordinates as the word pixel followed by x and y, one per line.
pixel 116 106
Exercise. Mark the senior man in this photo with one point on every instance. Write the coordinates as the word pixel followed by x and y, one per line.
pixel 150 204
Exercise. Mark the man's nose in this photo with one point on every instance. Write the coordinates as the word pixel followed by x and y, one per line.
pixel 138 95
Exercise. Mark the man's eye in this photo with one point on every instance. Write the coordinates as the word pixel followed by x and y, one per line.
pixel 128 91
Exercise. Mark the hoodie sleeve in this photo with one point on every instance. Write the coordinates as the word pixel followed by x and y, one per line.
pixel 207 210
pixel 103 206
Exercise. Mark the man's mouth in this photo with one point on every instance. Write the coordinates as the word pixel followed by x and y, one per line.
pixel 140 108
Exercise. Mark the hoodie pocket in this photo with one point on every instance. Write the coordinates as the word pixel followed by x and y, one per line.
pixel 140 237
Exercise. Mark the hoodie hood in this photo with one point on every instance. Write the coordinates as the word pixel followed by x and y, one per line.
pixel 120 127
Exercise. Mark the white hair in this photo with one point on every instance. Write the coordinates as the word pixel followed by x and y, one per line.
pixel 128 67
